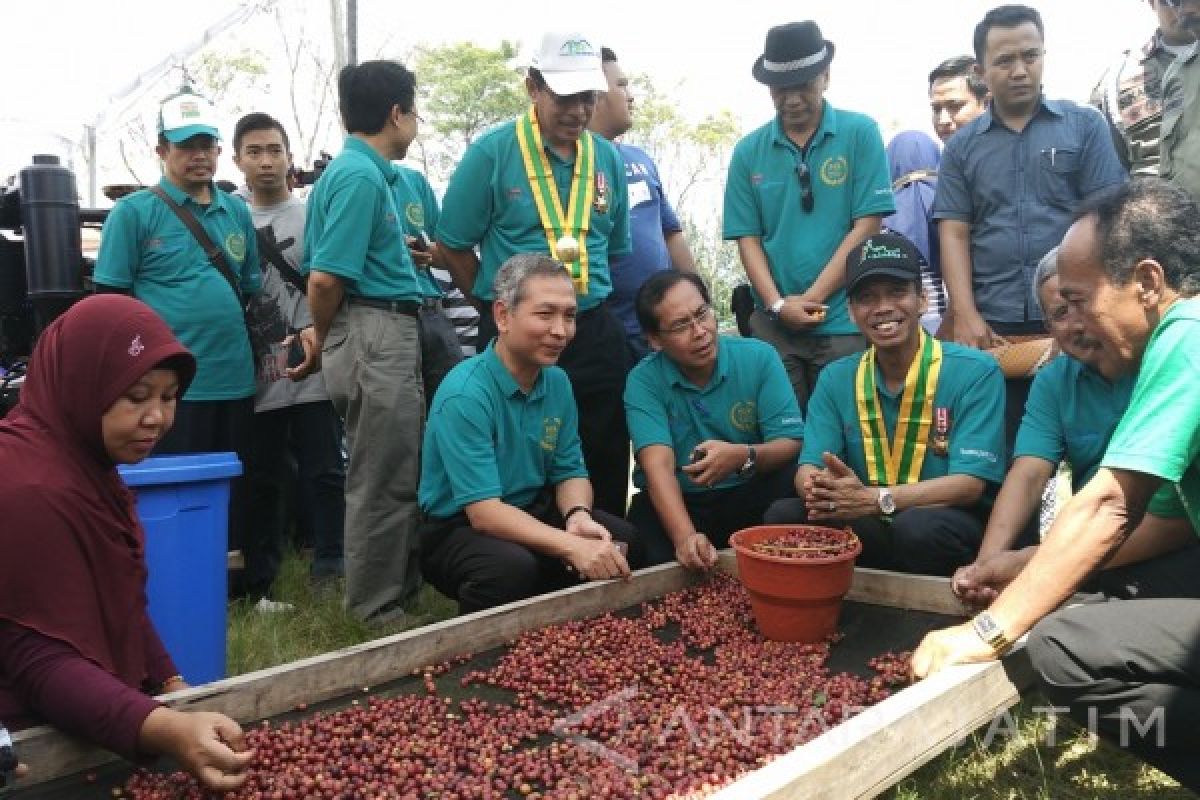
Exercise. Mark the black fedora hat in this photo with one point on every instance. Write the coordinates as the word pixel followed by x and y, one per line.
pixel 794 53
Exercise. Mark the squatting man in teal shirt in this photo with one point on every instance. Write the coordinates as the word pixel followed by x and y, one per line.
pixel 715 426
pixel 1070 415
pixel 1130 266
pixel 506 497
pixel 905 441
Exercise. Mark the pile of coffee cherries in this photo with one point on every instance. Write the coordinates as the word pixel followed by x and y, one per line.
pixel 806 543
pixel 677 701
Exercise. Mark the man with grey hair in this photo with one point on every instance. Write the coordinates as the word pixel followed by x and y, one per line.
pixel 506 497
pixel 1071 414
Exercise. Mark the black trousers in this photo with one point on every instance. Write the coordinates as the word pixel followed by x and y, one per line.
pixel 215 426
pixel 718 513
pixel 596 361
pixel 440 348
pixel 312 432
pixel 1129 669
pixel 930 540
pixel 481 571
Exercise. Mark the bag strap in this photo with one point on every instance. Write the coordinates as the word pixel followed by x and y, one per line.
pixel 215 254
pixel 268 248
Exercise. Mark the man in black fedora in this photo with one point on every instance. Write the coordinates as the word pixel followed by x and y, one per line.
pixel 802 191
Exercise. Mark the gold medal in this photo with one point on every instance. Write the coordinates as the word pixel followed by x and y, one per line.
pixel 567 249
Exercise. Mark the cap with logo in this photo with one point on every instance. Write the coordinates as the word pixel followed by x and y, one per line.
pixel 570 63
pixel 187 114
pixel 794 53
pixel 884 255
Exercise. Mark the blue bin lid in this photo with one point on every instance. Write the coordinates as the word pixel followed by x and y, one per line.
pixel 181 469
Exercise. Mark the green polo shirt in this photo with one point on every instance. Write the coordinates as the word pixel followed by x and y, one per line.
pixel 489 203
pixel 1160 432
pixel 418 208
pixel 748 400
pixel 486 438
pixel 970 386
pixel 353 227
pixel 146 249
pixel 850 179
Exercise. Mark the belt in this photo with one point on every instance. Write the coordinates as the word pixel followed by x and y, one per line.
pixel 406 307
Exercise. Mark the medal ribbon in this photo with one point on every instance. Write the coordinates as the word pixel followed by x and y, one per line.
pixel 545 194
pixel 899 461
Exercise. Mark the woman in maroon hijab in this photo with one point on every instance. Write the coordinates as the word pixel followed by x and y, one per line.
pixel 77 648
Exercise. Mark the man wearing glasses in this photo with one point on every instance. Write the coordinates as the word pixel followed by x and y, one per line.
pixel 149 252
pixel 801 191
pixel 715 426
pixel 365 298
pixel 1181 106
pixel 544 183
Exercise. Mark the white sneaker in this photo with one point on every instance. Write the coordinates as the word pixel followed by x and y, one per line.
pixel 267 606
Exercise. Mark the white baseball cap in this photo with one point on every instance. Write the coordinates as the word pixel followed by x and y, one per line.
pixel 570 63
pixel 187 114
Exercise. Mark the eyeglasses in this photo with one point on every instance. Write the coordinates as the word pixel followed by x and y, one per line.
pixel 571 100
pixel 807 201
pixel 702 316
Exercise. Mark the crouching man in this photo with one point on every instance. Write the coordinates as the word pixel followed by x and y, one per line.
pixel 715 426
pixel 506 499
pixel 904 441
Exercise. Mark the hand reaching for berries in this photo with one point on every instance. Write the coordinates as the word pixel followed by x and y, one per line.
pixel 940 649
pixel 696 552
pixel 979 583
pixel 597 559
pixel 208 745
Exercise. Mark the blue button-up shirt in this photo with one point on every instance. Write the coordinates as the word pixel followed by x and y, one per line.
pixel 1018 192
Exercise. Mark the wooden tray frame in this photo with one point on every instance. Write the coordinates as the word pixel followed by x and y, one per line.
pixel 857 759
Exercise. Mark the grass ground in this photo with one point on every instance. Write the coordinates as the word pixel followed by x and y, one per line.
pixel 1036 762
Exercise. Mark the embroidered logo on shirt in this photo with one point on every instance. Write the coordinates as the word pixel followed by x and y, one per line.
pixel 550 428
pixel 136 347
pixel 744 416
pixel 235 243
pixel 835 171
pixel 415 214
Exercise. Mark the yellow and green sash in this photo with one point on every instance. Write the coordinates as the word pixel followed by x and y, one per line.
pixel 545 194
pixel 898 461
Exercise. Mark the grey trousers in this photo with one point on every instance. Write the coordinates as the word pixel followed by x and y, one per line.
pixel 803 354
pixel 372 366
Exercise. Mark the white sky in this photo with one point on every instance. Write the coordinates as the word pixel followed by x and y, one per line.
pixel 65 57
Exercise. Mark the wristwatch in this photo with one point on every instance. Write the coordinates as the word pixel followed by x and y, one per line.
pixel 774 309
pixel 751 460
pixel 991 633
pixel 887 503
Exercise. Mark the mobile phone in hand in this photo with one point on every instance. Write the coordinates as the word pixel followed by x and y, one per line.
pixel 296 354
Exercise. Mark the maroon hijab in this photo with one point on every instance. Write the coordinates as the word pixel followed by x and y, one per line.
pixel 72 565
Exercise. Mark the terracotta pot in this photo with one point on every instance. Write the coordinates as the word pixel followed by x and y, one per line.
pixel 794 600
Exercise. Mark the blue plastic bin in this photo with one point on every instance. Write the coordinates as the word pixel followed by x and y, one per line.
pixel 183 503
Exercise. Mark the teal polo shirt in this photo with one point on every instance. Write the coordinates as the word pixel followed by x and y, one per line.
pixel 970 386
pixel 850 179
pixel 486 438
pixel 353 228
pixel 1071 414
pixel 146 249
pixel 489 203
pixel 418 208
pixel 748 400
